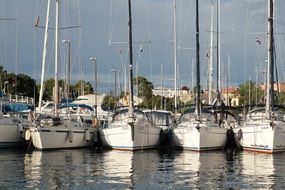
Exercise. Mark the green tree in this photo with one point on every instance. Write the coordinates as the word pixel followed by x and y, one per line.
pixel 20 84
pixel 109 103
pixel 48 88
pixel 279 98
pixel 144 88
pixel 156 102
pixel 170 104
pixel 87 87
pixel 167 103
pixel 26 86
pixel 251 93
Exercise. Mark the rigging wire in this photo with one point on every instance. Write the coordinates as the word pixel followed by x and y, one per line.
pixel 6 32
pixel 280 38
pixel 78 53
pixel 277 51
pixel 109 52
pixel 150 45
pixel 245 44
pixel 5 40
pixel 16 57
pixel 2 31
pixel 137 68
pixel 183 28
pixel 167 48
pixel 34 49
pixel 124 68
pixel 79 38
pixel 111 24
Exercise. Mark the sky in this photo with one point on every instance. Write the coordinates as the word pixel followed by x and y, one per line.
pixel 101 31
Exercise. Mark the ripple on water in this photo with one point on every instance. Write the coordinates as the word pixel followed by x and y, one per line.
pixel 151 169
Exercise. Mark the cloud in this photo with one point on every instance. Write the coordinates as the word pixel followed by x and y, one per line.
pixel 152 20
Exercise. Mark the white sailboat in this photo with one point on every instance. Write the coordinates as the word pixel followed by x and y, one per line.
pixel 12 121
pixel 264 128
pixel 130 128
pixel 48 132
pixel 11 129
pixel 198 128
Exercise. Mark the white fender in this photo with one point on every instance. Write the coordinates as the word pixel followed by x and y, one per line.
pixel 87 135
pixel 27 135
pixel 70 136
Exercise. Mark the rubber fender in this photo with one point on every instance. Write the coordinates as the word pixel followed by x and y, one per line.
pixel 70 136
pixel 27 135
pixel 87 135
pixel 240 136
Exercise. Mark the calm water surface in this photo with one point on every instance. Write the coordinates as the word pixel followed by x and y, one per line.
pixel 152 169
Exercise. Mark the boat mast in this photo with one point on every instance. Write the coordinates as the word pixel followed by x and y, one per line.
pixel 161 83
pixel 175 57
pixel 67 70
pixel 44 58
pixel 210 99
pixel 57 56
pixel 270 61
pixel 218 52
pixel 131 105
pixel 198 98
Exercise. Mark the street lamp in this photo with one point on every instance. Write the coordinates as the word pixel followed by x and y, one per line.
pixel 120 82
pixel 5 84
pixel 94 61
pixel 115 71
pixel 67 79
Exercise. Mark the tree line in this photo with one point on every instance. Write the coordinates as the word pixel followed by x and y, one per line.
pixel 24 85
pixel 21 84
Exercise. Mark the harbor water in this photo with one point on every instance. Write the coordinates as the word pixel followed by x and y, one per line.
pixel 148 169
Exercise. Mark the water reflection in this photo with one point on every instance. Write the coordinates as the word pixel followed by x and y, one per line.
pixel 58 169
pixel 32 169
pixel 11 168
pixel 134 170
pixel 149 169
pixel 207 170
pixel 118 170
pixel 262 170
pixel 229 170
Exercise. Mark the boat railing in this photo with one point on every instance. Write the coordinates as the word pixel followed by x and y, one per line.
pixel 256 116
pixel 19 99
pixel 278 116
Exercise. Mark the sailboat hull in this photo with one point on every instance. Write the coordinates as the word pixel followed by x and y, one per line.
pixel 202 138
pixel 122 135
pixel 262 136
pixel 44 138
pixel 10 134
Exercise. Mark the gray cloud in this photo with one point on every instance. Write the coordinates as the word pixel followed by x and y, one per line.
pixel 21 43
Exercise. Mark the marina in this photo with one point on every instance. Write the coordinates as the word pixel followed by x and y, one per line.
pixel 111 124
